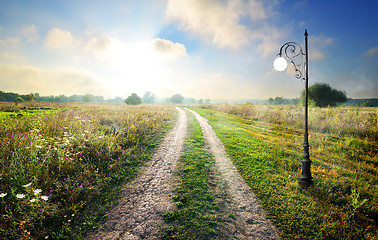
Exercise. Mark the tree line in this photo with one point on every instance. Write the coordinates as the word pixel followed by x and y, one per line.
pixel 320 95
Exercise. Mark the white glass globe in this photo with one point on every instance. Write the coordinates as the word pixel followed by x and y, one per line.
pixel 280 64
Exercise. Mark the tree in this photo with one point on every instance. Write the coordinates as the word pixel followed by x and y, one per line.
pixel 133 99
pixel 148 98
pixel 88 98
pixel 278 101
pixel 177 98
pixel 19 100
pixel 322 95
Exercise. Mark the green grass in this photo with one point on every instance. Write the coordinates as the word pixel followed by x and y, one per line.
pixel 344 170
pixel 194 217
pixel 78 156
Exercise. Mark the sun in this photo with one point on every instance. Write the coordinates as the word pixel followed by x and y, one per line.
pixel 132 67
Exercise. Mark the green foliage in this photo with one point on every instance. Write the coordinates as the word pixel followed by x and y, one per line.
pixel 322 95
pixel 343 202
pixel 133 99
pixel 177 98
pixel 79 157
pixel 368 103
pixel 193 219
pixel 148 98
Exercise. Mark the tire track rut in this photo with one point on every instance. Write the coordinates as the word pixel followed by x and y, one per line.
pixel 233 196
pixel 139 214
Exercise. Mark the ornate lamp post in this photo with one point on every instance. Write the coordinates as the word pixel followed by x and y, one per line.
pixel 292 51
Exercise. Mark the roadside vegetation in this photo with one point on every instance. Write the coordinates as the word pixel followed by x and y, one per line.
pixel 62 165
pixel 194 217
pixel 265 144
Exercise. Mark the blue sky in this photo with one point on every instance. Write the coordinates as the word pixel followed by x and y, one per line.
pixel 216 49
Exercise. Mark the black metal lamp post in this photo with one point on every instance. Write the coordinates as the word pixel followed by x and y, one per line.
pixel 292 51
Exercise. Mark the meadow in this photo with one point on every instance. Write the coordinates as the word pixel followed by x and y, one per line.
pixel 63 165
pixel 265 144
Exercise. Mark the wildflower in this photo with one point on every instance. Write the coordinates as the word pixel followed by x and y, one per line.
pixel 33 200
pixel 86 131
pixel 27 185
pixel 45 198
pixel 3 194
pixel 38 146
pixel 37 191
pixel 19 195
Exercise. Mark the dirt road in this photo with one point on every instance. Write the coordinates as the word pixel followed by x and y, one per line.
pixel 147 198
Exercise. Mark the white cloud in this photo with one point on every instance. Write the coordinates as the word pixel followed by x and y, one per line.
pixel 371 52
pixel 98 46
pixel 168 48
pixel 30 32
pixel 11 57
pixel 57 38
pixel 54 81
pixel 8 41
pixel 318 46
pixel 219 22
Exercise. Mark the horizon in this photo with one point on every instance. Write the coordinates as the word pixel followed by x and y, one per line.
pixel 201 50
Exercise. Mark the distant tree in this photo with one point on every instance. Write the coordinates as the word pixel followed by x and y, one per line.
pixel 19 100
pixel 278 101
pixel 177 98
pixel 271 100
pixel 367 103
pixel 88 98
pixel 133 99
pixel 322 95
pixel 29 97
pixel 148 98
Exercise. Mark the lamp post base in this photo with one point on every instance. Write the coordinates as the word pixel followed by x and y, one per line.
pixel 305 179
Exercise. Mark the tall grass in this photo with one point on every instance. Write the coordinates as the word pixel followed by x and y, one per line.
pixel 59 170
pixel 354 121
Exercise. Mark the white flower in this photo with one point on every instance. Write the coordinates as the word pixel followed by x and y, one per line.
pixel 86 131
pixel 45 198
pixel 38 146
pixel 37 191
pixel 20 195
pixel 33 200
pixel 27 185
pixel 3 194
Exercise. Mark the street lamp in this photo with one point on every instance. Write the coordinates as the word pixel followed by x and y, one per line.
pixel 292 51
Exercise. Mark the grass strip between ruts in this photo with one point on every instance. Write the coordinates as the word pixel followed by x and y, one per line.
pixel 194 218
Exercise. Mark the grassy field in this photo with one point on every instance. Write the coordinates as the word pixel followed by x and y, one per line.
pixel 265 143
pixel 62 166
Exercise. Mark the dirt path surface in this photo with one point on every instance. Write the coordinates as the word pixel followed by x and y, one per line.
pixel 146 199
pixel 241 215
